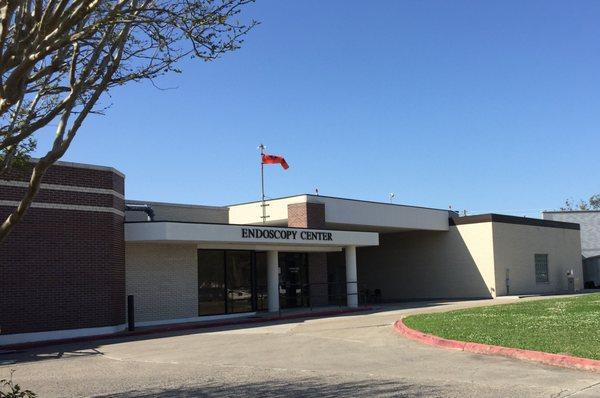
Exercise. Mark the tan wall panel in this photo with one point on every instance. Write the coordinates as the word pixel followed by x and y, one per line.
pixel 515 249
pixel 477 239
pixel 164 280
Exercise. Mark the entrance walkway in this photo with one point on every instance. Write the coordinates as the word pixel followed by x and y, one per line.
pixel 353 355
pixel 253 318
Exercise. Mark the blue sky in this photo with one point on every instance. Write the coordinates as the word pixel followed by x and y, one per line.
pixel 485 106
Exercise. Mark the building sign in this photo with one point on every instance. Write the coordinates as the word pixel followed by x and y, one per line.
pixel 215 234
pixel 282 234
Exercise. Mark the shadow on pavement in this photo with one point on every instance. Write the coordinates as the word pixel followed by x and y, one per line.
pixel 308 387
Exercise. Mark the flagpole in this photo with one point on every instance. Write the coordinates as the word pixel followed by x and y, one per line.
pixel 262 184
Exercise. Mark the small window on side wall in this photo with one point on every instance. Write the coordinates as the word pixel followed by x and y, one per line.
pixel 541 268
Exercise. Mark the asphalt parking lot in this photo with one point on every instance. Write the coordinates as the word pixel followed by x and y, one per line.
pixel 353 355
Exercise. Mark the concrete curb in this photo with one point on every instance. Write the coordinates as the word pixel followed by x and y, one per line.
pixel 182 327
pixel 565 361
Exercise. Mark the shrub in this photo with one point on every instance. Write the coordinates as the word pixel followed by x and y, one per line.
pixel 8 389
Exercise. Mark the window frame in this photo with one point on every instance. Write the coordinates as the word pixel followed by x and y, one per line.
pixel 547 264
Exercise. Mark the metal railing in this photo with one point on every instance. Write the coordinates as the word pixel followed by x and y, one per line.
pixel 319 294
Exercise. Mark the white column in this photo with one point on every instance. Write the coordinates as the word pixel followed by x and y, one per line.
pixel 351 278
pixel 273 280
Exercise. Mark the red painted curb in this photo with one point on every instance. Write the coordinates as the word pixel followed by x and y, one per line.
pixel 565 361
pixel 182 327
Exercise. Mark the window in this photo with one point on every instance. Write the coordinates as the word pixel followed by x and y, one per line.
pixel 261 281
pixel 227 282
pixel 211 282
pixel 238 281
pixel 541 268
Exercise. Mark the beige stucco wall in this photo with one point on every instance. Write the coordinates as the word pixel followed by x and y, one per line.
pixel 417 265
pixel 477 240
pixel 276 210
pixel 164 280
pixel 515 249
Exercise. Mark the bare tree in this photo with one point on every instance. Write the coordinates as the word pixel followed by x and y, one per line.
pixel 593 203
pixel 59 58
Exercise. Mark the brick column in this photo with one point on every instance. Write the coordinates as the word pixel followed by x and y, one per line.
pixel 317 277
pixel 312 215
pixel 306 215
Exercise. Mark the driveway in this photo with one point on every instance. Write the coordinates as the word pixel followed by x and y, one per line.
pixel 355 355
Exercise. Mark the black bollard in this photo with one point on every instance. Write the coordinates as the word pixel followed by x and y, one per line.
pixel 130 314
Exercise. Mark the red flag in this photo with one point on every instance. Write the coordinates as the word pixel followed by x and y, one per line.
pixel 272 159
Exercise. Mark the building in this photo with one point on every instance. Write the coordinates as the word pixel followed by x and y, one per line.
pixel 82 249
pixel 590 240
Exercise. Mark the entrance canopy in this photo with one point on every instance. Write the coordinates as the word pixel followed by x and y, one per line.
pixel 247 236
pixel 259 238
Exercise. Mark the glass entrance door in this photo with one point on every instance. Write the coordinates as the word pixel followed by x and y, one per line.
pixel 294 289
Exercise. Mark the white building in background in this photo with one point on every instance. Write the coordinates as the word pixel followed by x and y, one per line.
pixel 589 220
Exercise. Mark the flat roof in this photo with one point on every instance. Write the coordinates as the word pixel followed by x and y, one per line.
pixel 150 202
pixel 83 166
pixel 570 211
pixel 502 218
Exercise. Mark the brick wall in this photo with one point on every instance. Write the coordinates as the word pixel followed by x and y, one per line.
pixel 76 175
pixel 163 279
pixel 63 266
pixel 306 215
pixel 317 277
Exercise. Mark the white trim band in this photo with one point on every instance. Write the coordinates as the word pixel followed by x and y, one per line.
pixel 69 188
pixel 60 206
pixel 21 338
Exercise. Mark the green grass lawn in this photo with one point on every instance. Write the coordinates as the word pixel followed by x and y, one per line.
pixel 563 326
